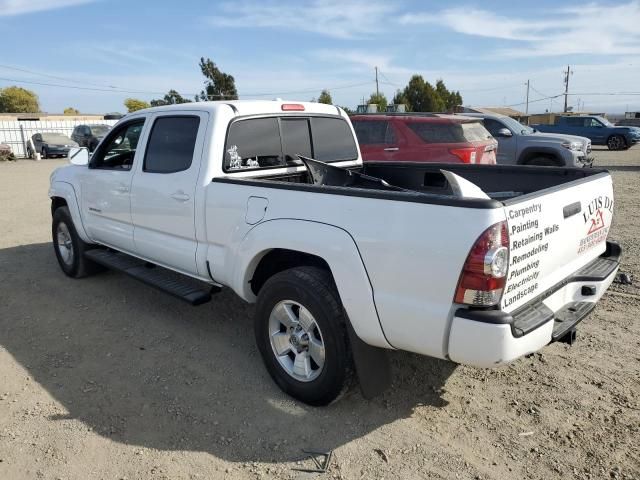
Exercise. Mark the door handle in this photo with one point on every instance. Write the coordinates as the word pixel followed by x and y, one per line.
pixel 122 188
pixel 391 149
pixel 180 196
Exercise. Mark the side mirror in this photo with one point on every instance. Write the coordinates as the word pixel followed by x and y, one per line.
pixel 505 132
pixel 79 155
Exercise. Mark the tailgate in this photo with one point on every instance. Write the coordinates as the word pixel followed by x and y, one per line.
pixel 554 233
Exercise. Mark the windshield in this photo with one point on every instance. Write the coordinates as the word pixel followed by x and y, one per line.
pixel 55 139
pixel 100 130
pixel 604 121
pixel 516 126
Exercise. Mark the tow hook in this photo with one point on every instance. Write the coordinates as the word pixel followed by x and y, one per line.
pixel 570 337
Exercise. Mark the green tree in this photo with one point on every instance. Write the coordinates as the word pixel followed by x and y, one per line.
pixel 71 111
pixel 450 99
pixel 325 97
pixel 134 104
pixel 421 96
pixel 18 100
pixel 219 85
pixel 380 100
pixel 399 98
pixel 171 98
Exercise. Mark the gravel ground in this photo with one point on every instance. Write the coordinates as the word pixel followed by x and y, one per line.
pixel 105 378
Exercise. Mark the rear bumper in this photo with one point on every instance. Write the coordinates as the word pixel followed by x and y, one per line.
pixel 486 338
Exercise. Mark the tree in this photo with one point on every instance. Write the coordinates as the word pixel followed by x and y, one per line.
pixel 219 85
pixel 71 111
pixel 18 100
pixel 380 100
pixel 134 104
pixel 325 97
pixel 171 98
pixel 399 99
pixel 421 96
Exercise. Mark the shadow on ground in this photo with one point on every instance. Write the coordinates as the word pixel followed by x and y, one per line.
pixel 143 368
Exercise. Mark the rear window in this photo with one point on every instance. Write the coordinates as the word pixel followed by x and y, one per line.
pixel 373 132
pixel 449 132
pixel 332 140
pixel 276 142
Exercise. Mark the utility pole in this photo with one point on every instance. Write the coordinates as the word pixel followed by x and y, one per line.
pixel 566 87
pixel 377 90
pixel 527 108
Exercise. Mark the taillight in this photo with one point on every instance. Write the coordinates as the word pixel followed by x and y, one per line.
pixel 467 154
pixel 485 271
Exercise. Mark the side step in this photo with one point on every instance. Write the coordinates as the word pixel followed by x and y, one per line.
pixel 185 288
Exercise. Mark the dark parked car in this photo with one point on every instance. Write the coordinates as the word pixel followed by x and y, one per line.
pixel 423 137
pixel 89 135
pixel 50 145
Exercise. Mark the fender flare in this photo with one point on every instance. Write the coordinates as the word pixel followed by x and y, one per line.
pixel 531 152
pixel 331 243
pixel 65 190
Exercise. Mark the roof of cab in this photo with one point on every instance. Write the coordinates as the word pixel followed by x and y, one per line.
pixel 249 107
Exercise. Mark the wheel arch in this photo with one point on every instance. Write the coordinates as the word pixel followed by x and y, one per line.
pixel 530 153
pixel 270 247
pixel 62 194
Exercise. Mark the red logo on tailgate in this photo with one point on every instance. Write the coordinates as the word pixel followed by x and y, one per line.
pixel 597 222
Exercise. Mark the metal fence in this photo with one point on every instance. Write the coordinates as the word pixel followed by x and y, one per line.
pixel 17 133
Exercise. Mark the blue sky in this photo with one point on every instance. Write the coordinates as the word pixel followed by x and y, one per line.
pixel 292 49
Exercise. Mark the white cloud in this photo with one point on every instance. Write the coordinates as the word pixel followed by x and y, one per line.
pixel 594 29
pixel 333 18
pixel 21 7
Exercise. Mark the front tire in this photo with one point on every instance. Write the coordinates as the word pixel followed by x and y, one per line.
pixel 616 142
pixel 43 153
pixel 300 329
pixel 69 247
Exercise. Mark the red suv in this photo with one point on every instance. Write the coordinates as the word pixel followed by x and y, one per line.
pixel 424 137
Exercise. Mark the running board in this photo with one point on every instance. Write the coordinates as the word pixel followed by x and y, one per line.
pixel 181 286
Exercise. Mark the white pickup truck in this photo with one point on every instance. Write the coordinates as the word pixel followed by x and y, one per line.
pixel 344 260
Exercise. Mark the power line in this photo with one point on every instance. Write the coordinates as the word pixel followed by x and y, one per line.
pixel 117 90
pixel 9 67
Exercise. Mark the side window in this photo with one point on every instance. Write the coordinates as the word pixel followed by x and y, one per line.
pixel 171 144
pixel 119 149
pixel 594 123
pixel 575 122
pixel 431 132
pixel 253 143
pixel 296 138
pixel 374 132
pixel 493 126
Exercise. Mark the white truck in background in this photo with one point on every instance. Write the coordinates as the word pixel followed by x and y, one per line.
pixel 476 264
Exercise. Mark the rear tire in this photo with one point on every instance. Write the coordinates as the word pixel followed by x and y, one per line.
pixel 616 142
pixel 69 247
pixel 543 162
pixel 43 153
pixel 297 313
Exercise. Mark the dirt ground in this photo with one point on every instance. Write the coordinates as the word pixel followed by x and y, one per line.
pixel 105 378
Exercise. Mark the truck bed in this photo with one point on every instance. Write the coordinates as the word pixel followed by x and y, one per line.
pixel 501 183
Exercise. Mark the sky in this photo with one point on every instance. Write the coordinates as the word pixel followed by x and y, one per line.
pixel 95 53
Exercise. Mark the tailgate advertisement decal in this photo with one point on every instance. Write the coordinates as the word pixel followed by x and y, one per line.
pixel 528 235
pixel 594 223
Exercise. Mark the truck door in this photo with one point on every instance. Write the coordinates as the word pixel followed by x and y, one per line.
pixel 595 130
pixel 164 188
pixel 106 187
pixel 507 144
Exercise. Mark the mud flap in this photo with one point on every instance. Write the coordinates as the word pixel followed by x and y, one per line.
pixel 372 366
